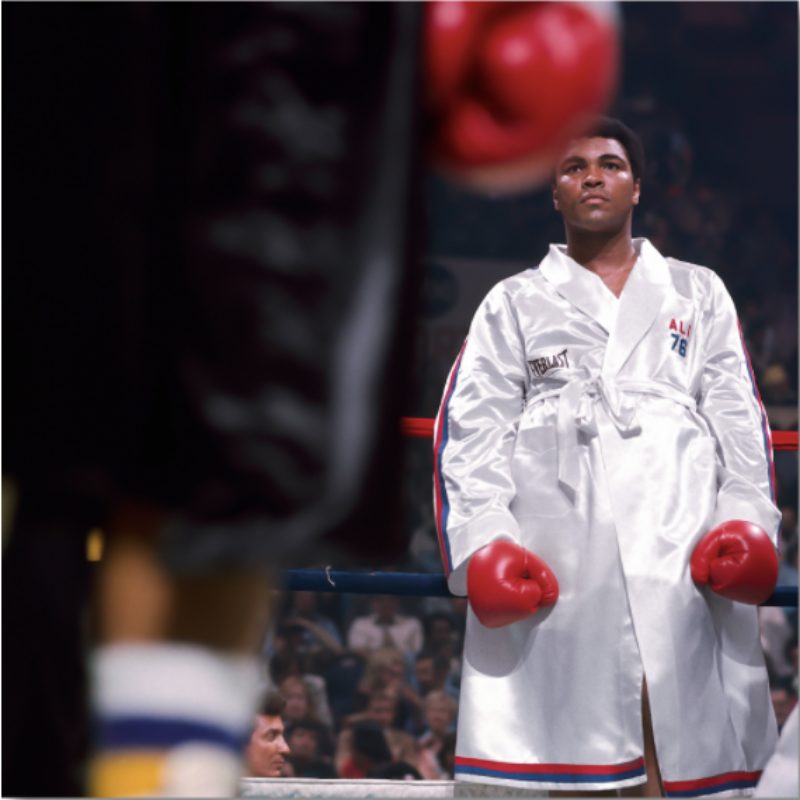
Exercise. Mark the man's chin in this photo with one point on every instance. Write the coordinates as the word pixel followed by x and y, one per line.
pixel 596 224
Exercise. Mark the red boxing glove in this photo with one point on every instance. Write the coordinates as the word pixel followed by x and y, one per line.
pixel 510 83
pixel 738 560
pixel 506 583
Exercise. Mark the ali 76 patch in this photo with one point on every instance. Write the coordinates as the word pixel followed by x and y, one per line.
pixel 680 332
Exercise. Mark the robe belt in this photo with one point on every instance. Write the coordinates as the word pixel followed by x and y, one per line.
pixel 577 400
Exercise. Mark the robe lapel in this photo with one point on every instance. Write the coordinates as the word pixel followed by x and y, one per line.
pixel 582 288
pixel 639 304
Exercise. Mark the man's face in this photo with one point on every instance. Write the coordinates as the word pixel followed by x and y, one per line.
pixel 423 670
pixel 305 602
pixel 304 743
pixel 783 702
pixel 296 700
pixel 385 606
pixel 438 715
pixel 267 749
pixel 382 708
pixel 440 632
pixel 594 187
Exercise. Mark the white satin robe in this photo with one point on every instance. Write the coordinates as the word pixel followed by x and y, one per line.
pixel 608 435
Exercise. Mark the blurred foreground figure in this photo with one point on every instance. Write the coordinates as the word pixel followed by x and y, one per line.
pixel 210 263
pixel 509 84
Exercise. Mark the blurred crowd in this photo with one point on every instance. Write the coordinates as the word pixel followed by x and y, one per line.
pixel 371 684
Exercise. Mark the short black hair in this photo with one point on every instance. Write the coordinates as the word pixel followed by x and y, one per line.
pixel 369 740
pixel 441 663
pixel 272 705
pixel 436 616
pixel 305 724
pixel 612 128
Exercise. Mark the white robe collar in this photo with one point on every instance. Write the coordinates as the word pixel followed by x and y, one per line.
pixel 626 319
pixel 580 286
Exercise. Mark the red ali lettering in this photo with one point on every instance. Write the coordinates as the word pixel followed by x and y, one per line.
pixel 679 327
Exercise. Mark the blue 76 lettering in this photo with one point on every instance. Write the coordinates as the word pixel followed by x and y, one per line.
pixel 679 344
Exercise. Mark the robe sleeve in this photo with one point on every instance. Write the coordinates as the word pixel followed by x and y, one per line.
pixel 474 438
pixel 730 403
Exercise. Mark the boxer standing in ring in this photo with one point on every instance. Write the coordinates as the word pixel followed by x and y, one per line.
pixel 603 494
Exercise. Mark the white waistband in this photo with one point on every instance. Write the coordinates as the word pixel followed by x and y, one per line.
pixel 577 400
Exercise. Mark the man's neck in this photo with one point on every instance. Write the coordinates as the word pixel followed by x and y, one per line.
pixel 611 258
pixel 603 254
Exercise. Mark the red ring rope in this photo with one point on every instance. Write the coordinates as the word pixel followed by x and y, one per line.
pixel 422 428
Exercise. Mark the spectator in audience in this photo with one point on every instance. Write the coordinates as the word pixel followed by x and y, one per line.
pixel 424 549
pixel 405 758
pixel 395 771
pixel 381 707
pixel 298 699
pixel 385 627
pixel 787 570
pixel 443 638
pixel 283 666
pixel 776 631
pixel 342 679
pixel 775 386
pixel 382 710
pixel 385 666
pixel 288 641
pixel 428 763
pixel 784 699
pixel 439 630
pixel 386 672
pixel 307 742
pixel 265 756
pixel 303 740
pixel 790 655
pixel 788 521
pixel 302 702
pixel 440 714
pixel 432 671
pixel 447 755
pixel 317 635
pixel 360 748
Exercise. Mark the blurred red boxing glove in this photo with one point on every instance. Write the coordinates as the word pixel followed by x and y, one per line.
pixel 510 83
pixel 506 583
pixel 738 560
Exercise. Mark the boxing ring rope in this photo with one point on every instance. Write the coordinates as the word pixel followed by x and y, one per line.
pixel 420 584
pixel 372 788
pixel 422 428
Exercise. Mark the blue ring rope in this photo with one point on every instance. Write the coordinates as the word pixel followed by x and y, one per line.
pixel 420 584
